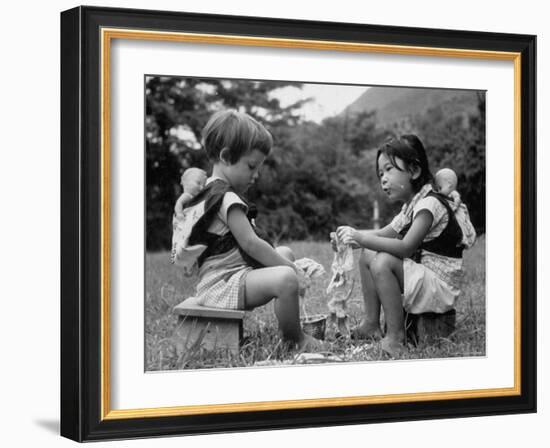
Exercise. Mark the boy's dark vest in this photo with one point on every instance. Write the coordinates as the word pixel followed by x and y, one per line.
pixel 449 241
pixel 213 195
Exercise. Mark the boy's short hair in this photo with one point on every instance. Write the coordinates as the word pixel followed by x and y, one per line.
pixel 236 131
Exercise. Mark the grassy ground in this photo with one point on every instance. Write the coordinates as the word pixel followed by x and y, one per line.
pixel 165 287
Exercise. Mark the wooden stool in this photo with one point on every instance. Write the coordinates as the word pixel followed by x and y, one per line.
pixel 212 328
pixel 429 326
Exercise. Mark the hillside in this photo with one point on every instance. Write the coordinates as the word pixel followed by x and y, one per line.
pixel 394 104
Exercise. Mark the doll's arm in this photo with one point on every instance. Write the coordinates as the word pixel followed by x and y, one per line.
pixel 181 202
pixel 456 200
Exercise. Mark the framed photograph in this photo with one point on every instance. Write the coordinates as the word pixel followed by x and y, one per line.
pixel 277 224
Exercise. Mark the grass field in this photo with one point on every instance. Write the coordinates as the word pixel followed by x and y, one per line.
pixel 166 287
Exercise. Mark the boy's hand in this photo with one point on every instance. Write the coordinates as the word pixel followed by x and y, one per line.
pixel 348 235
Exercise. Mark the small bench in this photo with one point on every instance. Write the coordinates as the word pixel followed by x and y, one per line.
pixel 212 328
pixel 427 327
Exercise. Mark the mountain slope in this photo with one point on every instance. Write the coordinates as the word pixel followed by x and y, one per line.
pixel 393 104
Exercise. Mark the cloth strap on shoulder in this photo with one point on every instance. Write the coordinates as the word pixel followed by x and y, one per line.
pixel 213 195
pixel 449 242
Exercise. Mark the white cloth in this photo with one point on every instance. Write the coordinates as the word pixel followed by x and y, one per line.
pixel 183 254
pixel 307 270
pixel 186 255
pixel 424 291
pixel 340 287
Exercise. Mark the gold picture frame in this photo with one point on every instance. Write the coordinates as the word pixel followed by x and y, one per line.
pixel 88 168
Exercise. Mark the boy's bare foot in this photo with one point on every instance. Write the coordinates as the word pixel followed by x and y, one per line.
pixel 392 346
pixel 366 331
pixel 309 344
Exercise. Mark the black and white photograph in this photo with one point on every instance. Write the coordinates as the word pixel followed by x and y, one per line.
pixel 275 224
pixel 292 223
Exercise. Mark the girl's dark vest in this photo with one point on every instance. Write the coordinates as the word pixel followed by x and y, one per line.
pixel 448 243
pixel 213 195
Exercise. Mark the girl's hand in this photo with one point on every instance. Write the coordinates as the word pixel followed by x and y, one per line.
pixel 348 235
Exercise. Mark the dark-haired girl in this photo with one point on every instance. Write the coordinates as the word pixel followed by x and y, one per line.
pixel 415 262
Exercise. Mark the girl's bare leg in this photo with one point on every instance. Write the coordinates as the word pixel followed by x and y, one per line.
pixel 370 324
pixel 387 273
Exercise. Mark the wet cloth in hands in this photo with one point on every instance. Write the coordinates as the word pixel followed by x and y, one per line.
pixel 308 269
pixel 339 288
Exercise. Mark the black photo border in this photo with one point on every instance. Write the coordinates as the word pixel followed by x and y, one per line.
pixel 85 413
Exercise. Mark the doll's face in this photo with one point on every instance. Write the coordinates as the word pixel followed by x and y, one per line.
pixel 193 181
pixel 194 187
pixel 445 181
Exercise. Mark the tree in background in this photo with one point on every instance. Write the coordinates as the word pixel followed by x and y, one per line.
pixel 458 142
pixel 318 176
pixel 453 138
pixel 176 111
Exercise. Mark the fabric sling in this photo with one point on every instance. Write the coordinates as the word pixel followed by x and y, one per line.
pixel 213 195
pixel 449 242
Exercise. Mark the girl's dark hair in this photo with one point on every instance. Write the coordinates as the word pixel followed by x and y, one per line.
pixel 410 149
pixel 236 131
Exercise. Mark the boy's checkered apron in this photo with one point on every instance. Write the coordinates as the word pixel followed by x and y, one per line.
pixel 223 287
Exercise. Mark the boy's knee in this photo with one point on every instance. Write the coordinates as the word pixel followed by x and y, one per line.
pixel 287 282
pixel 286 252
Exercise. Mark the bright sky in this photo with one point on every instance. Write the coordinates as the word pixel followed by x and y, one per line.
pixel 328 99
